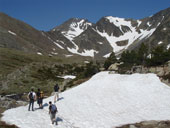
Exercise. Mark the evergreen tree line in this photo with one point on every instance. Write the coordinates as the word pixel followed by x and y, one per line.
pixel 158 56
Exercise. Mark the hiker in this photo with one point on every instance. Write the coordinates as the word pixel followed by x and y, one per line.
pixel 56 95
pixel 40 96
pixel 31 96
pixel 52 112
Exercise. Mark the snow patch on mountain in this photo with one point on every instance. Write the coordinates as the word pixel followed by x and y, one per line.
pixel 58 45
pixel 168 46
pixel 68 55
pixel 164 29
pixel 84 53
pixel 39 53
pixel 60 41
pixel 107 55
pixel 139 22
pixel 118 22
pixel 76 28
pixel 146 33
pixel 69 77
pixel 12 33
pixel 104 101
pixel 160 42
pixel 130 36
pixel 100 42
pixel 54 53
pixel 148 23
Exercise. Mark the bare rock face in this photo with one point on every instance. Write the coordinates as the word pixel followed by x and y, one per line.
pixel 81 35
pixel 162 71
pixel 114 67
pixel 8 103
pixel 122 43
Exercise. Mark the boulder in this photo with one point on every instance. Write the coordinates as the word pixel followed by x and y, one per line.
pixel 160 71
pixel 113 67
pixel 152 69
pixel 136 69
pixel 8 103
pixel 148 124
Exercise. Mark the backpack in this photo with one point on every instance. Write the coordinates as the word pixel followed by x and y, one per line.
pixel 53 108
pixel 56 88
pixel 41 94
pixel 31 97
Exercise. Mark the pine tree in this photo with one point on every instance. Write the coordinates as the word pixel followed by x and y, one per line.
pixel 110 60
pixel 142 54
pixel 159 56
pixel 90 69
pixel 129 57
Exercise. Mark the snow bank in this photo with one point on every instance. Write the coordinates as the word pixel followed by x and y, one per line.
pixel 12 33
pixel 105 101
pixel 69 77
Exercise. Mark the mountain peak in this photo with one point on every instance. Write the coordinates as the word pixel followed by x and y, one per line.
pixel 73 27
pixel 118 21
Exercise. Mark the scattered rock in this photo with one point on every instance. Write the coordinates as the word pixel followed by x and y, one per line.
pixel 114 67
pixel 132 126
pixel 8 103
pixel 148 124
pixel 163 71
pixel 122 43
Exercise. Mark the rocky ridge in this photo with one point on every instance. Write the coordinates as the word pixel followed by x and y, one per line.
pixel 79 36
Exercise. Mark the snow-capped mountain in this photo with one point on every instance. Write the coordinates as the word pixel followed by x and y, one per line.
pixel 73 27
pixel 121 32
pixel 112 34
pixel 104 101
pixel 80 37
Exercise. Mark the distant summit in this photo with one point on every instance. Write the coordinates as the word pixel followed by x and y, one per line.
pixel 81 37
pixel 73 27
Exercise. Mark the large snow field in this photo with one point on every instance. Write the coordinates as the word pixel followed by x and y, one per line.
pixel 104 101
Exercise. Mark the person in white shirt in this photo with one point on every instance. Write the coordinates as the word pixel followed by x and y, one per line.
pixel 32 97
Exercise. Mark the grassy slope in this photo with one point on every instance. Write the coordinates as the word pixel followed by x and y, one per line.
pixel 20 71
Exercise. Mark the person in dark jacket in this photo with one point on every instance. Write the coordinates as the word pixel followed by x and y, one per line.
pixel 56 95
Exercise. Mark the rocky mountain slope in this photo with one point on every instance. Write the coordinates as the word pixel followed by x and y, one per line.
pixel 115 34
pixel 79 36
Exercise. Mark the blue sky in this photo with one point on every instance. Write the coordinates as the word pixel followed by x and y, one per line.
pixel 46 14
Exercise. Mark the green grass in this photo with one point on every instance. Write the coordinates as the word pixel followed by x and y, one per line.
pixel 11 60
pixel 20 71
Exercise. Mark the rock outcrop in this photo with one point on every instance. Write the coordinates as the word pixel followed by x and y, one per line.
pixel 162 71
pixel 7 103
pixel 148 124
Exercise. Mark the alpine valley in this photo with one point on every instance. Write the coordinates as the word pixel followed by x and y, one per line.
pixel 71 54
pixel 33 58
